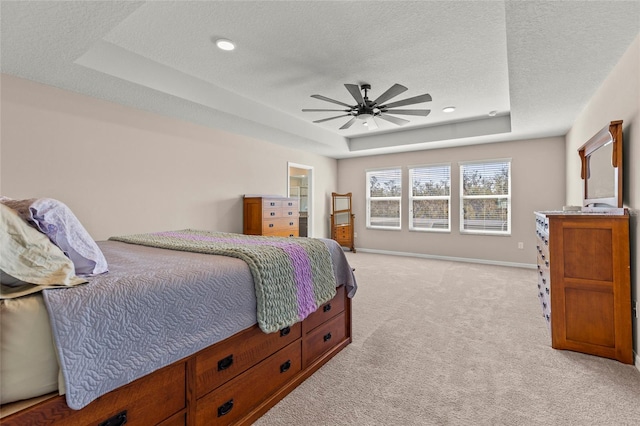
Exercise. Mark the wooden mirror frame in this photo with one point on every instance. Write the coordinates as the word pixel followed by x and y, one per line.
pixel 611 133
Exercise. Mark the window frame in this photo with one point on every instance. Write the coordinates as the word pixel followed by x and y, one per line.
pixel 413 197
pixel 368 173
pixel 464 197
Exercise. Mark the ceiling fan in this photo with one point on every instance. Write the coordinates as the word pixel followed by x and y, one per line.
pixel 367 110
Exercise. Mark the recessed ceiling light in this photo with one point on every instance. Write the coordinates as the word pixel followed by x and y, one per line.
pixel 224 44
pixel 493 113
pixel 449 109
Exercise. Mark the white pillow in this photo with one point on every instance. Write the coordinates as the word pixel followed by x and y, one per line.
pixel 31 258
pixel 57 221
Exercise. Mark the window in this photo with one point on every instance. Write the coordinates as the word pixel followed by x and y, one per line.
pixel 485 197
pixel 430 198
pixel 384 192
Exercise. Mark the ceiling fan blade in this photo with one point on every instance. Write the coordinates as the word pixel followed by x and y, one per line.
pixel 348 124
pixel 409 101
pixel 319 110
pixel 331 118
pixel 391 92
pixel 422 112
pixel 395 120
pixel 354 89
pixel 371 123
pixel 324 98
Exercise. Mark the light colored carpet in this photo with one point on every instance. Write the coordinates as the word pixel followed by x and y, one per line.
pixel 446 343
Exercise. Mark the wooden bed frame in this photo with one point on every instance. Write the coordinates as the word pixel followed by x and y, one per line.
pixel 234 381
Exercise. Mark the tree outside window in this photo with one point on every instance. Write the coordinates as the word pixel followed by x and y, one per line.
pixel 485 197
pixel 384 192
pixel 430 198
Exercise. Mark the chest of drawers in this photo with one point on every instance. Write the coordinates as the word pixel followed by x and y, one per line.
pixel 584 283
pixel 271 216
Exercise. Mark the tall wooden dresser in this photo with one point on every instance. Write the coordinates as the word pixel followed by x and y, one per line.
pixel 584 282
pixel 270 215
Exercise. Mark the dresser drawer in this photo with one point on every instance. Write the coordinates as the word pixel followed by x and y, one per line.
pixel 291 213
pixel 279 226
pixel 268 203
pixel 290 205
pixel 323 338
pixel 329 310
pixel 230 402
pixel 271 213
pixel 222 362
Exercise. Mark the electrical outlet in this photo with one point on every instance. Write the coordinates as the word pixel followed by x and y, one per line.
pixel 520 245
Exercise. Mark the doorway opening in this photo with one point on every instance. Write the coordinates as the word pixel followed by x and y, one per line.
pixel 299 185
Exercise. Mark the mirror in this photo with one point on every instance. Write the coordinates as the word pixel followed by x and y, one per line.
pixel 341 203
pixel 601 171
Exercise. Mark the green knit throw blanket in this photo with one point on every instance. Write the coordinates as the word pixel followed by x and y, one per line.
pixel 292 276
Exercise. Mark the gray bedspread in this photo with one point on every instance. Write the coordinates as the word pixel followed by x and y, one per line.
pixel 153 307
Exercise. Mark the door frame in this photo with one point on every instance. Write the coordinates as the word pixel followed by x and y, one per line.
pixel 310 213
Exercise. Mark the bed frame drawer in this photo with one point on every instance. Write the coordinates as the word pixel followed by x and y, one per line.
pixel 324 338
pixel 325 312
pixel 147 401
pixel 235 399
pixel 227 359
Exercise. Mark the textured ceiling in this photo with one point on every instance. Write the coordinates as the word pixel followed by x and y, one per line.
pixel 534 62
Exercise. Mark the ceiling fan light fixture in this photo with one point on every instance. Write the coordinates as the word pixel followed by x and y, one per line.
pixel 364 117
pixel 225 44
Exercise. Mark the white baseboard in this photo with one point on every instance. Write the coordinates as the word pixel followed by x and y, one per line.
pixel 451 258
pixel 638 362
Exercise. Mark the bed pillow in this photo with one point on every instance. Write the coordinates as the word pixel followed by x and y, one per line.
pixel 58 222
pixel 29 261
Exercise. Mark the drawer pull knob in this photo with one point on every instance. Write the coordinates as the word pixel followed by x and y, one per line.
pixel 272 204
pixel 327 337
pixel 285 331
pixel 225 363
pixel 290 213
pixel 272 213
pixel 225 408
pixel 290 223
pixel 285 366
pixel 327 307
pixel 117 420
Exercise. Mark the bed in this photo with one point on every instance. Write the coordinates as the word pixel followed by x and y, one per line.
pixel 225 369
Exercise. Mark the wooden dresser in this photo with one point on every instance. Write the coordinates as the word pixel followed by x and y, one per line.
pixel 584 283
pixel 272 216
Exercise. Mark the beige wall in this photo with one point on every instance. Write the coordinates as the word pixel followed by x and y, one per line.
pixel 537 184
pixel 617 99
pixel 123 170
